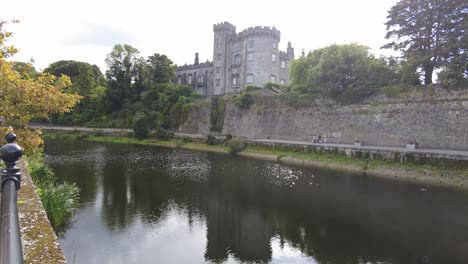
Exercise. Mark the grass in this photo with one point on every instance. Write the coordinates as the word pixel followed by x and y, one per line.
pixel 59 199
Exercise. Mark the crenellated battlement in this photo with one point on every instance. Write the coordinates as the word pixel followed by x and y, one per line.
pixel 194 66
pixel 258 31
pixel 224 27
pixel 283 55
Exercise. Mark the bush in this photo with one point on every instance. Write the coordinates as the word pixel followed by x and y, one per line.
pixel 211 140
pixel 141 126
pixel 59 200
pixel 244 100
pixel 252 88
pixel 236 145
pixel 164 134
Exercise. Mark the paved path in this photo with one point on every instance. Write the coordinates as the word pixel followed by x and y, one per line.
pixel 440 152
pixel 443 152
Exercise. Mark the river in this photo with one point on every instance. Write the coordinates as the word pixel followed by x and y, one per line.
pixel 142 204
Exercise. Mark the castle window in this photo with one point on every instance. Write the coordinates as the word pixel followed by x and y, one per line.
pixel 237 59
pixel 283 64
pixel 273 78
pixel 251 44
pixel 179 80
pixel 250 56
pixel 218 57
pixel 201 79
pixel 235 81
pixel 250 78
pixel 273 57
pixel 189 79
pixel 275 45
pixel 218 70
pixel 218 82
pixel 282 81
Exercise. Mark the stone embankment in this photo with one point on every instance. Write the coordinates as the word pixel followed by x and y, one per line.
pixel 40 244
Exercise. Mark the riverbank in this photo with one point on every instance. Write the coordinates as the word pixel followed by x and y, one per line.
pixel 423 174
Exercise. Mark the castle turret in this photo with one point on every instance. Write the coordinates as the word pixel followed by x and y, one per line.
pixel 221 56
pixel 290 51
pixel 196 59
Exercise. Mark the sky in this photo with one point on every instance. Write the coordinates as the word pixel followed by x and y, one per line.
pixel 87 30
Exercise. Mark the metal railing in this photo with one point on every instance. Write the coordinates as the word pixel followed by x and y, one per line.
pixel 10 238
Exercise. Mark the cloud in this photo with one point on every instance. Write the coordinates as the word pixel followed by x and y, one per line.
pixel 97 35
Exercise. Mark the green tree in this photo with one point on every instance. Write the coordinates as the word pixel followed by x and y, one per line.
pixel 160 69
pixel 23 98
pixel 125 76
pixel 429 33
pixel 347 72
pixel 87 81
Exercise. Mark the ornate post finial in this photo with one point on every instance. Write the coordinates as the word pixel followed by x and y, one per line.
pixel 10 154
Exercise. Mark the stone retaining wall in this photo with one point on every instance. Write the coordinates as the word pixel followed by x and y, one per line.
pixel 436 119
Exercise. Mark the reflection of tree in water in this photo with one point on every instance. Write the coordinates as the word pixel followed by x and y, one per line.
pixel 131 190
pixel 247 204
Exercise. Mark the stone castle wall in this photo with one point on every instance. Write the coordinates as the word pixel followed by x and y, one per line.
pixel 435 120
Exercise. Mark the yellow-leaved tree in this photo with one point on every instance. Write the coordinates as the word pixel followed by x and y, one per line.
pixel 23 98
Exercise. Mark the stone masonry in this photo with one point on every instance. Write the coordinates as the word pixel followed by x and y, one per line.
pixel 247 58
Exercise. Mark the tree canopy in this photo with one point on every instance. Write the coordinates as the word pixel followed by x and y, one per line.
pixel 430 34
pixel 23 98
pixel 341 71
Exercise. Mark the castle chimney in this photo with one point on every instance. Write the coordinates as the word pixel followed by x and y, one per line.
pixel 290 51
pixel 196 58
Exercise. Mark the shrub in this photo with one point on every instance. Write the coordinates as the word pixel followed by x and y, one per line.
pixel 252 88
pixel 211 140
pixel 59 200
pixel 141 126
pixel 244 100
pixel 236 145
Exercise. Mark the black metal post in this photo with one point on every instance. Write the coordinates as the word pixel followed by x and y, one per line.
pixel 10 238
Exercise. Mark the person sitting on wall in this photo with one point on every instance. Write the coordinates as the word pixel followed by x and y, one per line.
pixel 319 140
pixel 314 139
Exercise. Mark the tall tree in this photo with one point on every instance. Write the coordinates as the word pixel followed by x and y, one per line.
pixel 124 76
pixel 87 81
pixel 347 72
pixel 430 33
pixel 160 69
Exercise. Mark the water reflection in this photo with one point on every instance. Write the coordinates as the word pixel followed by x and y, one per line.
pixel 146 205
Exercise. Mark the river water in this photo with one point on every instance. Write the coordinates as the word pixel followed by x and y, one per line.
pixel 142 204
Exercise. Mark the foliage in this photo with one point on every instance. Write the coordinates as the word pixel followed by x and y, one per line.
pixel 125 76
pixel 59 199
pixel 250 88
pixel 23 98
pixel 160 69
pixel 211 140
pixel 87 81
pixel 297 99
pixel 141 126
pixel 270 85
pixel 236 145
pixel 430 34
pixel 344 72
pixel 244 100
pixel 217 114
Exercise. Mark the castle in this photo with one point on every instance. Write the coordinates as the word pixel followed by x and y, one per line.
pixel 248 58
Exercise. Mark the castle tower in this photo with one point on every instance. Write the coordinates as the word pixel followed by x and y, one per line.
pixel 290 51
pixel 221 58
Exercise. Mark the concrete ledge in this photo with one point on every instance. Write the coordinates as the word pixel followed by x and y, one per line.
pixel 40 244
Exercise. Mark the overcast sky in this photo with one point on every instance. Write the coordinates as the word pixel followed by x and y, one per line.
pixel 87 30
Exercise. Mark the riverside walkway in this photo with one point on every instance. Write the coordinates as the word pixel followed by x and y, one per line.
pixel 454 154
pixel 440 153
